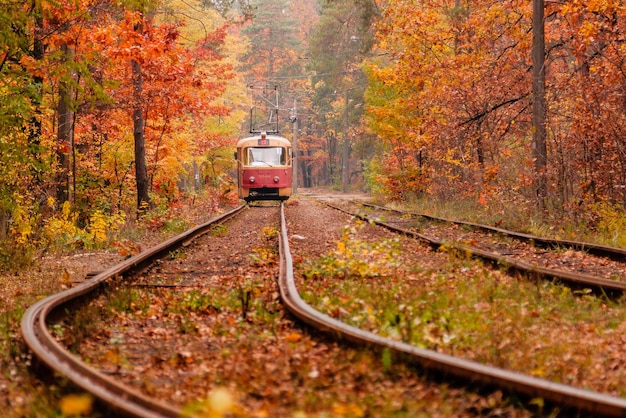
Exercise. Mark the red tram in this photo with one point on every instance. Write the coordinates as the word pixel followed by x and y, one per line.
pixel 264 167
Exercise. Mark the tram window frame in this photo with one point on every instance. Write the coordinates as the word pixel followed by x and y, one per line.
pixel 281 159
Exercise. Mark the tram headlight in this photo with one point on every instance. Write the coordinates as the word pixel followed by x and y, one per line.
pixel 251 179
pixel 276 179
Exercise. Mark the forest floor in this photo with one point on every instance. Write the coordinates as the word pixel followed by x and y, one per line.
pixel 24 393
pixel 317 231
pixel 205 339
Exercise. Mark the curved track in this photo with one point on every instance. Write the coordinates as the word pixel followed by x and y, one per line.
pixel 44 346
pixel 599 285
pixel 132 403
pixel 567 397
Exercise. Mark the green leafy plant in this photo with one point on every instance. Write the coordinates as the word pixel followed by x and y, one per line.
pixel 219 230
pixel 194 301
pixel 356 258
pixel 177 255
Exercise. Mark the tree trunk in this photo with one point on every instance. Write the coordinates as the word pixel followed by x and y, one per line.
pixel 296 160
pixel 345 171
pixel 141 169
pixel 332 155
pixel 34 129
pixel 65 119
pixel 539 149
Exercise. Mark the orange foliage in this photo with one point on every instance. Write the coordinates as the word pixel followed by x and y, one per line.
pixel 453 83
pixel 181 88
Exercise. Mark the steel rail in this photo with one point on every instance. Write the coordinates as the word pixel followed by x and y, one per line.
pixel 601 285
pixel 119 397
pixel 617 254
pixel 472 372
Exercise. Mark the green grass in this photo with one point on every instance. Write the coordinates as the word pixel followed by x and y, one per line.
pixel 480 314
pixel 219 230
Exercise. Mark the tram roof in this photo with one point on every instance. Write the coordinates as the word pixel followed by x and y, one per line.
pixel 274 140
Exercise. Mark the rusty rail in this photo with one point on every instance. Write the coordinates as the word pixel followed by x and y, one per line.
pixel 471 372
pixel 599 285
pixel 34 327
pixel 618 254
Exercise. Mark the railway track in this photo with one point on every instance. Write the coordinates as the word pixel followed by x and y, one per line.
pixel 44 346
pixel 599 268
pixel 120 397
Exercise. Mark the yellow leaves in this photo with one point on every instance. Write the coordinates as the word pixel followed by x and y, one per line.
pixel 611 221
pixel 601 6
pixel 100 225
pixel 22 225
pixel 269 232
pixel 356 258
pixel 539 371
pixel 588 29
pixel 263 256
pixel 77 404
pixel 341 247
pixel 63 226
pixel 62 229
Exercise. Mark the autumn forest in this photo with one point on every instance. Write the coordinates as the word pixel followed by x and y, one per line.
pixel 113 111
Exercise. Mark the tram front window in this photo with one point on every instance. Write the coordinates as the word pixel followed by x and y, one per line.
pixel 267 156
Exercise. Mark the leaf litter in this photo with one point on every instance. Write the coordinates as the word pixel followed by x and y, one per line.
pixel 233 337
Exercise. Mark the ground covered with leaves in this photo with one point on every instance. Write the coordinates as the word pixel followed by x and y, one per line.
pixel 455 305
pixel 205 330
pixel 26 390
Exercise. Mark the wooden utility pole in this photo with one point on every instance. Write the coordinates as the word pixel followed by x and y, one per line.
pixel 294 162
pixel 539 149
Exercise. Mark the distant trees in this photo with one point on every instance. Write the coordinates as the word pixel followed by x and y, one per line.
pixel 274 44
pixel 338 45
pixel 275 65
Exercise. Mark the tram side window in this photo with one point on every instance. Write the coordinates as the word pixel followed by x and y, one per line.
pixel 266 156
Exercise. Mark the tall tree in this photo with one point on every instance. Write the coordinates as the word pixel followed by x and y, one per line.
pixel 539 102
pixel 65 132
pixel 338 45
pixel 139 123
pixel 468 100
pixel 444 124
pixel 273 40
